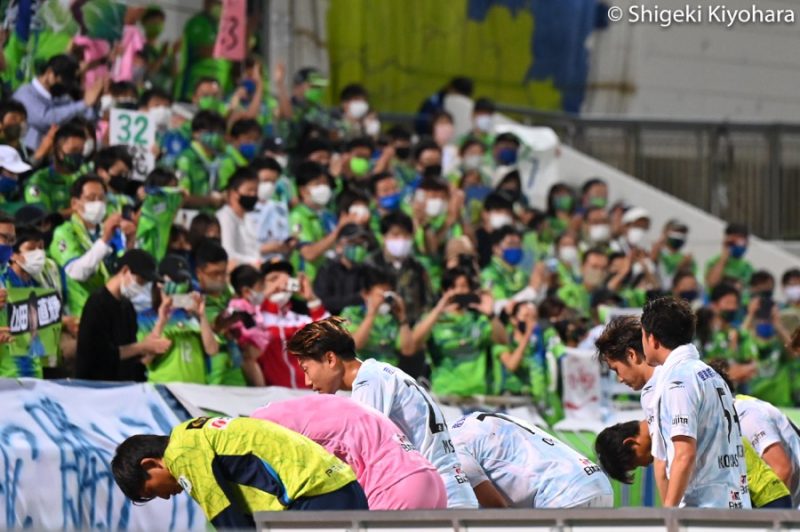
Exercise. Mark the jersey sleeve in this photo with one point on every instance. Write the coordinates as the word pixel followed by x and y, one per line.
pixel 471 467
pixel 681 400
pixel 759 431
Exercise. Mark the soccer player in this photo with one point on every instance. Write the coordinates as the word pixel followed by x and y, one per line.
pixel 511 463
pixel 774 437
pixel 327 355
pixel 698 434
pixel 234 468
pixel 394 475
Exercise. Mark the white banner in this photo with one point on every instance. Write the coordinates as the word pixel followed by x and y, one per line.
pixel 137 130
pixel 56 446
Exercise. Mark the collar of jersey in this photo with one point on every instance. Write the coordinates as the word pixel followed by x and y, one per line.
pixel 681 354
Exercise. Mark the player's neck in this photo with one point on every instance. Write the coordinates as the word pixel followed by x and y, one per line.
pixel 351 368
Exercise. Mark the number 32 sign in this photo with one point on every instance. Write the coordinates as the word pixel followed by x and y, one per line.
pixel 137 130
pixel 231 40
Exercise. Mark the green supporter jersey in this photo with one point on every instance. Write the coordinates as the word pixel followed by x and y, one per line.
pixel 764 485
pixel 200 32
pixel 21 57
pixel 225 367
pixel 433 260
pixel 157 213
pixel 185 360
pixel 49 189
pixel 501 280
pixel 383 343
pixel 670 260
pixel 776 373
pixel 72 240
pixel 263 466
pixel 720 347
pixel 306 225
pixel 459 348
pixel 230 161
pixel 197 171
pixel 736 268
pixel 116 202
pixel 576 296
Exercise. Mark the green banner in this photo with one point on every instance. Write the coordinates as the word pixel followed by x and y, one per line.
pixel 34 320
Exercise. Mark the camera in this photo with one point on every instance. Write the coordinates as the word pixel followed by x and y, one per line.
pixel 293 285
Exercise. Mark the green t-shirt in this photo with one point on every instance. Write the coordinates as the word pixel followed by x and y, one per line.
pixel 774 382
pixel 197 172
pixel 384 337
pixel 49 188
pixel 230 161
pixel 200 31
pixel 22 56
pixel 185 359
pixel 576 296
pixel 459 350
pixel 306 225
pixel 670 260
pixel 719 347
pixel 736 268
pixel 502 280
pixel 155 220
pixel 115 202
pixel 225 367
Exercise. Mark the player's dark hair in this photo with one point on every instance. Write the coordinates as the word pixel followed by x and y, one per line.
pixel 670 320
pixel 425 145
pixel 615 456
pixel 497 201
pixel 790 275
pixel 68 131
pixel 12 106
pixel 498 235
pixel 761 277
pixel 377 178
pixel 320 337
pixel 354 90
pixel 126 465
pixel 622 333
pixel 161 177
pixel 589 183
pixel 199 227
pixel 26 234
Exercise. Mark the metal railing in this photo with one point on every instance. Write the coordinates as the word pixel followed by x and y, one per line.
pixel 743 172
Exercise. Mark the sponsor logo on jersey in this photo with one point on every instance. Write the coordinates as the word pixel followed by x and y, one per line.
pixel 404 442
pixel 676 384
pixel 335 469
pixel 758 437
pixel 727 461
pixel 220 422
pixel 359 384
pixel 679 420
pixel 198 423
pixel 459 422
pixel 743 482
pixel 589 467
pixel 461 478
pixel 706 374
pixel 735 500
pixel 549 442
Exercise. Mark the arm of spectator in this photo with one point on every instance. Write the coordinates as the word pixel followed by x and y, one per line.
pixel 150 346
pixel 313 250
pixel 42 117
pixel 83 267
pixel 717 271
pixel 46 145
pixel 404 341
pixel 284 99
pixel 682 469
pixel 616 282
pixel 752 308
pixel 210 343
pixel 384 161
pixel 423 329
pixel 513 359
pixel 361 335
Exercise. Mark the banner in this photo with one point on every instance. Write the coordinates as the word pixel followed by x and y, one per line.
pixel 56 446
pixel 137 130
pixel 34 320
pixel 231 40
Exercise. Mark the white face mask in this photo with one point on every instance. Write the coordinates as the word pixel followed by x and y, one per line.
pixel 280 298
pixel 499 219
pixel 106 103
pixel 434 207
pixel 636 236
pixel 94 212
pixel 320 194
pixel 88 148
pixel 472 162
pixel 131 290
pixel 372 128
pixel 792 293
pixel 599 233
pixel 399 247
pixel 160 116
pixel 256 298
pixel 484 123
pixel 568 254
pixel 359 211
pixel 34 261
pixel 357 109
pixel 265 190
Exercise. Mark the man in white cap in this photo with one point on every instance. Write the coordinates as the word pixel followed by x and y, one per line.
pixel 11 166
pixel 636 224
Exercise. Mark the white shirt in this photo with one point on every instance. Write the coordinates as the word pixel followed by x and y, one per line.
pixel 238 241
pixel 649 401
pixel 692 400
pixel 531 468
pixel 402 400
pixel 269 222
pixel 764 425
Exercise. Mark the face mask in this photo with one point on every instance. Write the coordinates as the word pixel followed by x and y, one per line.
pixel 636 236
pixel 119 182
pixel 792 293
pixel 160 116
pixel 600 233
pixel 5 253
pixel 728 316
pixel 94 212
pixel 357 109
pixel 88 148
pixel 7 184
pixel 58 89
pixel 355 253
pixel 675 242
pixel 512 256
pixel 248 150
pixel 593 277
pixel 568 254
pixel 563 203
pixel 12 132
pixel 248 203
pixel 443 134
pixel 689 295
pixel 34 262
pixel 765 330
pixel 210 103
pixel 214 287
pixel 106 103
pixel 256 298
pixel 265 190
pixel 211 140
pixel 72 161
pixel 280 298
pixel 359 211
pixel 403 153
pixel 484 123
pixel 499 219
pixel 507 156
pixel 472 162
pixel 372 128
pixel 359 166
pixel 132 290
pixel 598 202
pixel 434 207
pixel 249 85
pixel 432 170
pixel 737 252
pixel 399 247
pixel 390 202
pixel 153 29
pixel 320 194
pixel 314 94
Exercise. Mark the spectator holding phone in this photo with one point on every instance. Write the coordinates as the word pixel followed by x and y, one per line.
pixel 339 279
pixel 730 262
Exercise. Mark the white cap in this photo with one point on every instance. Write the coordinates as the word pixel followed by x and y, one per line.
pixel 633 214
pixel 10 160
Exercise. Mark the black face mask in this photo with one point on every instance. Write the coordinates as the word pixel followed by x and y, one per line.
pixel 120 183
pixel 72 161
pixel 12 132
pixel 58 89
pixel 248 203
pixel 432 170
pixel 403 153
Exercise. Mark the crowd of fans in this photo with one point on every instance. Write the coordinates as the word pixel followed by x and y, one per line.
pixel 268 210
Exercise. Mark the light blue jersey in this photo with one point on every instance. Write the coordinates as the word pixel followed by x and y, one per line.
pixel 413 410
pixel 692 400
pixel 531 468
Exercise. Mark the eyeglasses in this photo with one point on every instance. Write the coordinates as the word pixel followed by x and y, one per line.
pixel 8 239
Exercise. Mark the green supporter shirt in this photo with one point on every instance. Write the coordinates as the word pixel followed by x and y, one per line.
pixel 196 171
pixel 459 347
pixel 670 260
pixel 200 32
pixel 225 367
pixel 383 343
pixel 185 359
pixel 576 296
pixel 736 268
pixel 230 161
pixel 306 225
pixel 157 213
pixel 49 188
pixel 502 280
pixel 72 240
pixel 433 261
pixel 266 467
pixel 21 57
pixel 719 347
pixel 116 202
pixel 776 371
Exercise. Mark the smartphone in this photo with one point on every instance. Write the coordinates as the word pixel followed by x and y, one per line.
pixel 184 301
pixel 293 285
pixel 127 213
pixel 465 300
pixel 389 298
pixel 764 311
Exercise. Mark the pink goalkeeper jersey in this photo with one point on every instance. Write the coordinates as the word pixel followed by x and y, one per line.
pixel 392 472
